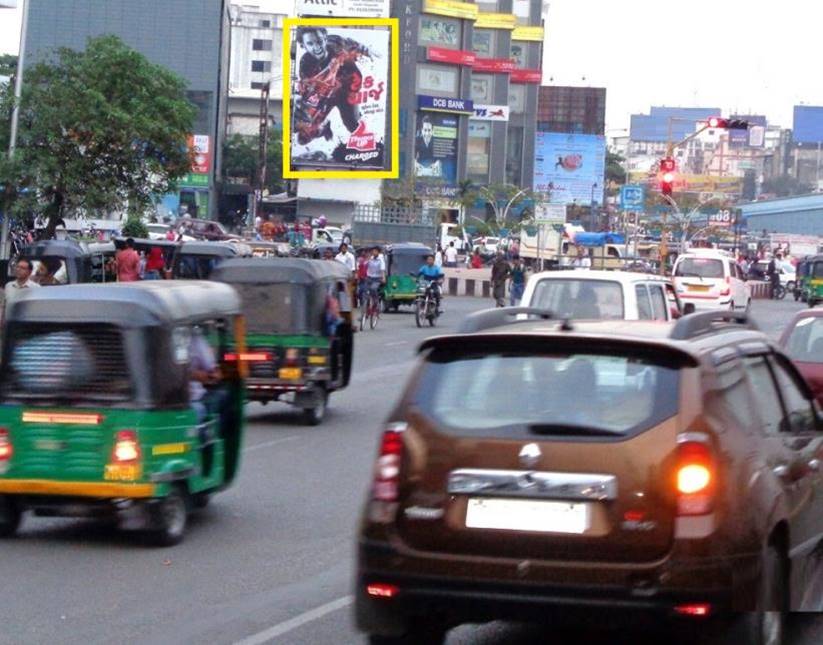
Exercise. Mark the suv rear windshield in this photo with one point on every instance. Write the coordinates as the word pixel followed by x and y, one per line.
pixel 580 298
pixel 699 268
pixel 524 394
pixel 73 363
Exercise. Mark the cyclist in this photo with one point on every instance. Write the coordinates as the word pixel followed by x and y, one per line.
pixel 375 272
pixel 432 274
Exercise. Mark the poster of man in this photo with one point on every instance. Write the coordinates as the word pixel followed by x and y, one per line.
pixel 424 162
pixel 339 96
pixel 435 147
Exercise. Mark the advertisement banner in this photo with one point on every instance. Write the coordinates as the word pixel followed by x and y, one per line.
pixel 490 113
pixel 754 137
pixel 451 8
pixel 441 104
pixel 438 30
pixel 453 56
pixel 200 146
pixel 435 151
pixel 495 21
pixel 343 8
pixel 534 34
pixel 723 218
pixel 494 65
pixel 570 167
pixel 686 183
pixel 807 125
pixel 532 76
pixel 336 98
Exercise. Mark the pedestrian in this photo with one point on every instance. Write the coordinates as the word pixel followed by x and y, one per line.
pixel 155 264
pixel 773 275
pixel 127 263
pixel 346 257
pixel 46 272
pixel 477 260
pixel 500 275
pixel 582 261
pixel 141 267
pixel 438 256
pixel 518 281
pixel 22 281
pixel 451 255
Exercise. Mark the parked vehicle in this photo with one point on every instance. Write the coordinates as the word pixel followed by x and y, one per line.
pixel 403 261
pixel 205 229
pixel 595 295
pixel 298 350
pixel 711 279
pixel 546 469
pixel 95 415
pixel 802 340
pixel 812 281
pixel 788 279
pixel 197 260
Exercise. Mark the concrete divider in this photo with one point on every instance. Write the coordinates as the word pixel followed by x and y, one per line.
pixel 760 289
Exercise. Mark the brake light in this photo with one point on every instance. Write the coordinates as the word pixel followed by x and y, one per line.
pixel 250 357
pixel 126 448
pixel 6 449
pixel 382 590
pixel 695 475
pixel 387 471
pixel 694 609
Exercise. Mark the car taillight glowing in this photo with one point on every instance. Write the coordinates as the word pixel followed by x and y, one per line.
pixel 126 448
pixel 387 469
pixel 6 449
pixel 695 475
pixel 251 357
pixel 694 609
pixel 381 590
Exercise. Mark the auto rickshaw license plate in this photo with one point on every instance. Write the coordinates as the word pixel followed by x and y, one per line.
pixel 290 373
pixel 118 472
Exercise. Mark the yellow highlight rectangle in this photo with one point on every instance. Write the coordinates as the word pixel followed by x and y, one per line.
pixel 169 448
pixel 495 21
pixel 528 33
pixel 451 8
pixel 67 418
pixel 394 37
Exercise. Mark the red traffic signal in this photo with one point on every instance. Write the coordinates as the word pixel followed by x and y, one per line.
pixel 667 165
pixel 667 183
pixel 727 124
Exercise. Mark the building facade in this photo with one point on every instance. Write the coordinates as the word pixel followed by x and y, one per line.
pixel 800 215
pixel 574 110
pixel 189 37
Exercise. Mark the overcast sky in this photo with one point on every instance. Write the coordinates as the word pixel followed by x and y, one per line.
pixel 757 56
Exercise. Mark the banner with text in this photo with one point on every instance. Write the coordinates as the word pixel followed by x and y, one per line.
pixel 570 167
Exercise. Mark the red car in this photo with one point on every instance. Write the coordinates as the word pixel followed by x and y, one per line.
pixel 802 340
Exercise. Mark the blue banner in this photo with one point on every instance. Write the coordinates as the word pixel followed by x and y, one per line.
pixel 442 104
pixel 571 168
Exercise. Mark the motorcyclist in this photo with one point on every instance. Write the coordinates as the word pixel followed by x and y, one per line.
pixel 773 275
pixel 433 275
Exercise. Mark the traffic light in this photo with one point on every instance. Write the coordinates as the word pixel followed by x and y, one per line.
pixel 727 124
pixel 667 168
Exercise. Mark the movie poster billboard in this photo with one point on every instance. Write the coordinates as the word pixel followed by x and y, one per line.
pixel 435 151
pixel 336 101
pixel 570 167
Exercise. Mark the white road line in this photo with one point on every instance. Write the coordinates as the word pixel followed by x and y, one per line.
pixel 298 621
pixel 402 342
pixel 273 442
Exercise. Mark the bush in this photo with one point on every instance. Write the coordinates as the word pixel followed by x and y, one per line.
pixel 135 227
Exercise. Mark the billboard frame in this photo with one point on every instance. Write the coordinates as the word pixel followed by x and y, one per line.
pixel 289 24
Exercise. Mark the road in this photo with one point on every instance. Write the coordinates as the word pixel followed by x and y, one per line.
pixel 271 559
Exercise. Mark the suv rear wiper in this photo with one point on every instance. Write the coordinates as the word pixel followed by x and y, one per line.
pixel 561 429
pixel 687 274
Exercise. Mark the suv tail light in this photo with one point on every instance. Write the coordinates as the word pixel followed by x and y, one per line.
pixel 695 475
pixel 6 449
pixel 385 487
pixel 126 448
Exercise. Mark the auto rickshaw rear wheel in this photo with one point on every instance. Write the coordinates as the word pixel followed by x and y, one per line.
pixel 10 516
pixel 169 517
pixel 314 415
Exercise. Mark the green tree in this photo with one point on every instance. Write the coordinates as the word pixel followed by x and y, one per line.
pixel 241 156
pixel 100 130
pixel 784 186
pixel 135 227
pixel 615 171
pixel 8 64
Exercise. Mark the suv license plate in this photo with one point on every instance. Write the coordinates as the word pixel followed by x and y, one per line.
pixel 528 515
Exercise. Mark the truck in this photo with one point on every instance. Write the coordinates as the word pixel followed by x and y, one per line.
pixel 382 233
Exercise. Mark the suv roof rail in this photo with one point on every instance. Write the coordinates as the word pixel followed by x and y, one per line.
pixel 697 324
pixel 500 316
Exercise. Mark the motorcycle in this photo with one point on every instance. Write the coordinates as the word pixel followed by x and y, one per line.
pixel 425 304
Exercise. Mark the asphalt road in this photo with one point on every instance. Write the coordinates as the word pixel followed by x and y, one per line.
pixel 271 559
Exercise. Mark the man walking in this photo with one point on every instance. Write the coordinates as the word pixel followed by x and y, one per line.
pixel 451 255
pixel 346 258
pixel 128 263
pixel 518 282
pixel 500 275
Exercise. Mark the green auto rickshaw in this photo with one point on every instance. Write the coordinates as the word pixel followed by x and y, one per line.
pixel 298 317
pixel 96 415
pixel 812 279
pixel 403 262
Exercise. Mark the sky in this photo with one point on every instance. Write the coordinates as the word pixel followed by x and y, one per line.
pixel 745 56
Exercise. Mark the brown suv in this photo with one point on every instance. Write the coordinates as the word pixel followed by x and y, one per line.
pixel 534 465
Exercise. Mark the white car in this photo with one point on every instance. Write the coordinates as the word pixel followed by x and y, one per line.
pixel 158 232
pixel 711 279
pixel 487 245
pixel 602 295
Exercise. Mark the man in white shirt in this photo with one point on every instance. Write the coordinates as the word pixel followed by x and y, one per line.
pixel 582 261
pixel 23 281
pixel 346 257
pixel 451 255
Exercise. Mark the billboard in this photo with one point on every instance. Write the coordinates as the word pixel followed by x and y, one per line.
pixel 343 8
pixel 754 137
pixel 435 151
pixel 570 167
pixel 808 124
pixel 201 153
pixel 336 113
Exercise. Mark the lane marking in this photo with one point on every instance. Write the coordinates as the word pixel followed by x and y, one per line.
pixel 402 342
pixel 273 442
pixel 298 621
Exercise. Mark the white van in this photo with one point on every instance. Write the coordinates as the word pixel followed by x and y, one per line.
pixel 711 279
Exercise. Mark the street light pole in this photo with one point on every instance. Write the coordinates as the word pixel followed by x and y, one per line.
pixel 15 119
pixel 511 201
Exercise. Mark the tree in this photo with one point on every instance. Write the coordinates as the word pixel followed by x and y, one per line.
pixel 102 129
pixel 135 227
pixel 241 156
pixel 785 186
pixel 8 64
pixel 615 172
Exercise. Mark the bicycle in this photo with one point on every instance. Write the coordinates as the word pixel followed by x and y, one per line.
pixel 371 310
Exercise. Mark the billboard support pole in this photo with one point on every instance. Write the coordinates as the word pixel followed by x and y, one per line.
pixel 262 149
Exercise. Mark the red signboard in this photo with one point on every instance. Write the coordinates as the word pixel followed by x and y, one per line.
pixel 200 146
pixel 527 76
pixel 494 65
pixel 454 56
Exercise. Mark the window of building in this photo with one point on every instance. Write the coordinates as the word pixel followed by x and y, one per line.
pixel 265 24
pixel 256 85
pixel 518 54
pixel 477 157
pixel 522 9
pixel 517 98
pixel 514 155
pixel 260 66
pixel 482 89
pixel 436 79
pixel 439 32
pixel 483 42
pixel 261 45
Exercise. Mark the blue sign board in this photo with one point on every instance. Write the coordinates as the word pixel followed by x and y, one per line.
pixel 632 197
pixel 570 167
pixel 443 104
pixel 808 124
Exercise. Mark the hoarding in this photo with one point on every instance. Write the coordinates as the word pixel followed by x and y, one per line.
pixel 710 185
pixel 435 148
pixel 495 21
pixel 533 76
pixel 343 8
pixel 442 104
pixel 450 8
pixel 570 167
pixel 534 34
pixel 199 144
pixel 753 137
pixel 494 65
pixel 808 124
pixel 337 117
pixel 490 112
pixel 453 56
